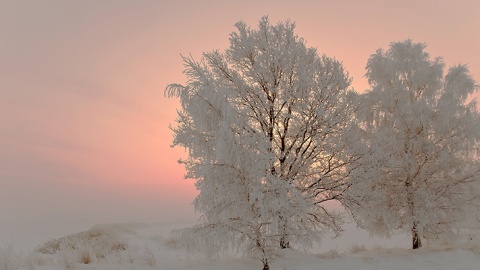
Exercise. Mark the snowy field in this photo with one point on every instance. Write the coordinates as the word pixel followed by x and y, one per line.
pixel 145 246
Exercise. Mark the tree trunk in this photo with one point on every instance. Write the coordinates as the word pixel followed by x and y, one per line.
pixel 284 243
pixel 265 265
pixel 416 240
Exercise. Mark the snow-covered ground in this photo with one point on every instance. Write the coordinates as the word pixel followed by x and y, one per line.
pixel 149 246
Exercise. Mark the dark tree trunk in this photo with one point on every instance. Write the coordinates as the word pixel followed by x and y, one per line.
pixel 284 243
pixel 265 265
pixel 416 240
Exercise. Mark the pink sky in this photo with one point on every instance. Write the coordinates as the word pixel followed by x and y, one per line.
pixel 84 135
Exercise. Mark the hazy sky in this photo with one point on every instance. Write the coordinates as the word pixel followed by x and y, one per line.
pixel 84 135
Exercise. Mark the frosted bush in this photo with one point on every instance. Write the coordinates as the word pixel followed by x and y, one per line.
pixel 86 247
pixel 149 257
pixel 10 258
pixel 67 256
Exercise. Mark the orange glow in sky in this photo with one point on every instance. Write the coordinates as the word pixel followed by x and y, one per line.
pixel 84 135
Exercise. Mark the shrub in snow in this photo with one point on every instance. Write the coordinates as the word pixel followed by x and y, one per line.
pixel 31 261
pixel 331 254
pixel 85 247
pixel 10 258
pixel 149 257
pixel 68 257
pixel 356 248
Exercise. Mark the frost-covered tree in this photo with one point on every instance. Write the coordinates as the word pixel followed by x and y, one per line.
pixel 422 134
pixel 265 124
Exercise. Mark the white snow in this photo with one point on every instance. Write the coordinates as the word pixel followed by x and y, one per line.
pixel 150 246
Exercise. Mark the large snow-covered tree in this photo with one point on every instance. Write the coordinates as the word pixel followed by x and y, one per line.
pixel 422 135
pixel 265 125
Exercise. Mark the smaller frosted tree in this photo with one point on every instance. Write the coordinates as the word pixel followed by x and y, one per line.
pixel 422 136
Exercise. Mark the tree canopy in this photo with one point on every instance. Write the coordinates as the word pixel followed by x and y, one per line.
pixel 265 124
pixel 422 135
pixel 273 133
